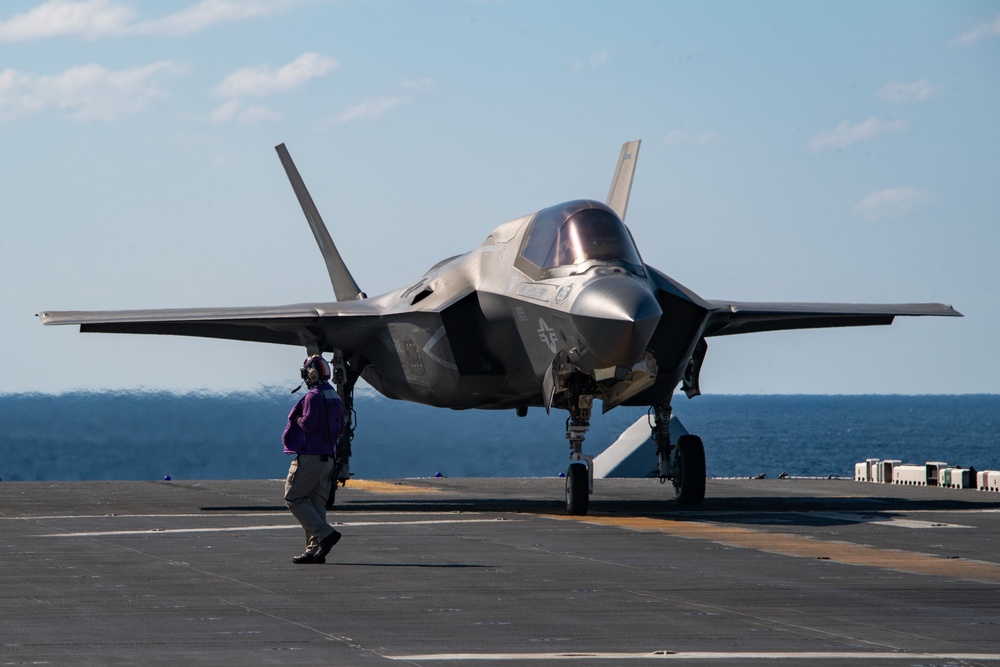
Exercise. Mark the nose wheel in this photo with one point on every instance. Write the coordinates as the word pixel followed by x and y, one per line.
pixel 577 489
pixel 579 482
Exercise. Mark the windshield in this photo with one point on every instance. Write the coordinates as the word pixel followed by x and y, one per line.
pixel 578 232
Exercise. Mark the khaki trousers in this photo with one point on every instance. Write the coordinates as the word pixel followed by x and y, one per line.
pixel 306 491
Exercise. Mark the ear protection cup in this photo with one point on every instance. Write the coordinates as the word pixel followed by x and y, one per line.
pixel 315 369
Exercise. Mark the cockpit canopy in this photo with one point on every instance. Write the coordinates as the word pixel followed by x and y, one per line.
pixel 571 236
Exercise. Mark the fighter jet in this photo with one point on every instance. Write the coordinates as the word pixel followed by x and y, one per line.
pixel 552 310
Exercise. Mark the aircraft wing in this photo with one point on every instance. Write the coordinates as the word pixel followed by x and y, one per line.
pixel 285 325
pixel 739 317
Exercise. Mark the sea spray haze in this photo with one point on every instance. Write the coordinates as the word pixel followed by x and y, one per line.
pixel 148 435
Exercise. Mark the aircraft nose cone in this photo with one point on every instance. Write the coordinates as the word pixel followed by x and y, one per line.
pixel 616 317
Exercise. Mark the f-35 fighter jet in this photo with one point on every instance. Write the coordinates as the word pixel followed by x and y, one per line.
pixel 552 310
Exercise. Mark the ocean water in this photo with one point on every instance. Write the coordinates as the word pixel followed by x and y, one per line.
pixel 150 435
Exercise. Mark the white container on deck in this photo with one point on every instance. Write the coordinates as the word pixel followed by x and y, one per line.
pixel 955 478
pixel 867 471
pixel 911 475
pixel 932 471
pixel 884 469
pixel 988 480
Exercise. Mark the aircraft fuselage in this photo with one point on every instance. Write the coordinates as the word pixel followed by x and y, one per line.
pixel 480 331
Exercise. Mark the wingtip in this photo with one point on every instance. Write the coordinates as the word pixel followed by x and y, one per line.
pixel 944 310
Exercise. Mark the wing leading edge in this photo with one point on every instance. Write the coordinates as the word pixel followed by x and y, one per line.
pixel 298 324
pixel 739 317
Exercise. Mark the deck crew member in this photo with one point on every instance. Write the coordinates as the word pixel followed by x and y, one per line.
pixel 314 426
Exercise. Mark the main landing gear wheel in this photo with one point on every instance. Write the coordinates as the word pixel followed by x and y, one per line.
pixel 689 470
pixel 335 481
pixel 577 489
pixel 331 498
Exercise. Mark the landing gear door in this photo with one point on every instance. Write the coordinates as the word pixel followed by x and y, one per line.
pixel 691 383
pixel 549 386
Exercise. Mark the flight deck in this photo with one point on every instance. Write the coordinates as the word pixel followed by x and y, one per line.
pixel 492 571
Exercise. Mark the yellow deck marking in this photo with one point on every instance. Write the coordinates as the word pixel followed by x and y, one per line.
pixel 737 657
pixel 388 487
pixel 806 547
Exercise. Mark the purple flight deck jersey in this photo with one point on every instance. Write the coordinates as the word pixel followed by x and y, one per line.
pixel 315 423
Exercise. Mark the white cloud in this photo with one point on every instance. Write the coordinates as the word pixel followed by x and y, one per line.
pixel 97 19
pixel 235 111
pixel 846 134
pixel 256 113
pixel 372 108
pixel 594 59
pixel 208 13
pixel 982 30
pixel 600 58
pixel 85 93
pixel 377 106
pixel 892 203
pixel 422 86
pixel 91 19
pixel 263 80
pixel 226 112
pixel 918 91
pixel 677 137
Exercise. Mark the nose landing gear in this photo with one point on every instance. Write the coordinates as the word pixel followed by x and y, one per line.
pixel 580 476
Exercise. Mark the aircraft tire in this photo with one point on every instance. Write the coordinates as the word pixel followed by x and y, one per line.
pixel 333 494
pixel 577 489
pixel 689 470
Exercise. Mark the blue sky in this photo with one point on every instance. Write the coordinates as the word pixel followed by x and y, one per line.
pixel 820 151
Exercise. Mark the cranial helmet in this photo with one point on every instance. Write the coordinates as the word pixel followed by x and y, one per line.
pixel 315 370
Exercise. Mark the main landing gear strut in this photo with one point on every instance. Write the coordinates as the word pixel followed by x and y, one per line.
pixel 345 375
pixel 683 463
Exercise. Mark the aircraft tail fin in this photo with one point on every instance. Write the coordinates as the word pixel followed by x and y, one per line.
pixel 344 285
pixel 621 184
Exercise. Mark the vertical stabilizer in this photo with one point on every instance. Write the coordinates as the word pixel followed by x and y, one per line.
pixel 621 184
pixel 344 286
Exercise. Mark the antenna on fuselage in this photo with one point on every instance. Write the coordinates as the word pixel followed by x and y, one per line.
pixel 344 286
pixel 621 184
